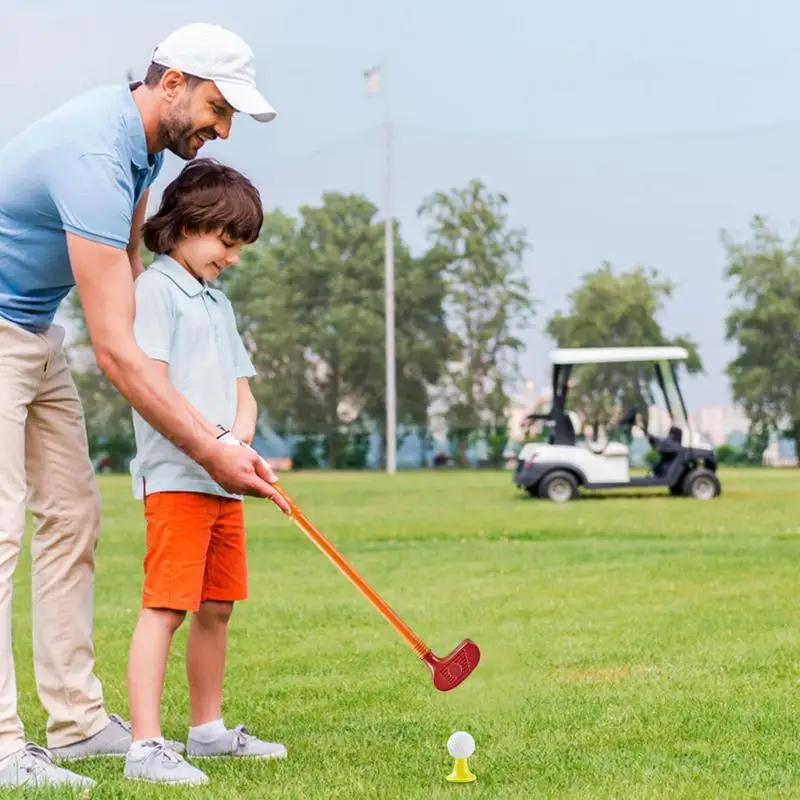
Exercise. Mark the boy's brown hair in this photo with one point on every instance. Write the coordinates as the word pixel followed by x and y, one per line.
pixel 207 196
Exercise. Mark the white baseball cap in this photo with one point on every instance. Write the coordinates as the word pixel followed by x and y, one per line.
pixel 216 54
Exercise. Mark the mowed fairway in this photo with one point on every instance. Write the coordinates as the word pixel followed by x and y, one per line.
pixel 633 647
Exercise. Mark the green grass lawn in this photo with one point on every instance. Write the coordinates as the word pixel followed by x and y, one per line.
pixel 634 647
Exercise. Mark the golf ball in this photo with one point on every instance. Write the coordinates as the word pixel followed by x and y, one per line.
pixel 461 745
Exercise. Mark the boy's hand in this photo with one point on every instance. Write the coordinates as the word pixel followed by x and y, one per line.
pixel 229 438
pixel 240 470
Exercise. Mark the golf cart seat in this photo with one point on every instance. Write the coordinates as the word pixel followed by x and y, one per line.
pixel 563 431
pixel 667 448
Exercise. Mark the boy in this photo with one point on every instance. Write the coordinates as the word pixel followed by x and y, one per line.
pixel 195 558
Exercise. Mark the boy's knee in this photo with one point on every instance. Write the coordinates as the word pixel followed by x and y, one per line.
pixel 169 618
pixel 214 612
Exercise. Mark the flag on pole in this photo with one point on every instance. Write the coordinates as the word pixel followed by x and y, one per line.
pixel 373 79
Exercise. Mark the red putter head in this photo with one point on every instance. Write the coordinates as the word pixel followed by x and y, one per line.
pixel 455 667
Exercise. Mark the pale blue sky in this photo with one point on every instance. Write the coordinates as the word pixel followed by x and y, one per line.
pixel 618 131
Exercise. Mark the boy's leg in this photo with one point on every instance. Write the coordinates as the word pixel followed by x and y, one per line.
pixel 205 660
pixel 147 662
pixel 178 532
pixel 225 583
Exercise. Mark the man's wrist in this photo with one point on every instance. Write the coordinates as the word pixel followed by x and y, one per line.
pixel 228 438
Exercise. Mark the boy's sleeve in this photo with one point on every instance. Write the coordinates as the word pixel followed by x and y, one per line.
pixel 94 198
pixel 241 358
pixel 154 322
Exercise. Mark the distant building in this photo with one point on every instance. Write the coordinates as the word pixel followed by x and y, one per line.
pixel 719 422
pixel 780 453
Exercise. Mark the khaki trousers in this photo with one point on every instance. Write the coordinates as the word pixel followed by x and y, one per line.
pixel 44 464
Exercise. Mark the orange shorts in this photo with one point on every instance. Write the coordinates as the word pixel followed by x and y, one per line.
pixel 195 550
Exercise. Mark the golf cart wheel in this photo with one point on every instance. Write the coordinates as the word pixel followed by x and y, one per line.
pixel 701 484
pixel 559 486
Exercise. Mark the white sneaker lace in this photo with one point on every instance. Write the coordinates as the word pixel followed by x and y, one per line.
pixel 128 728
pixel 163 752
pixel 241 737
pixel 34 760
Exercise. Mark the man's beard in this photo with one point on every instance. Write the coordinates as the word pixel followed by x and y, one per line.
pixel 176 134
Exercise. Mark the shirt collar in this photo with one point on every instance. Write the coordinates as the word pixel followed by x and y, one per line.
pixel 134 124
pixel 182 278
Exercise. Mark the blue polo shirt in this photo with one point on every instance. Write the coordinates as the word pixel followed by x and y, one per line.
pixel 192 327
pixel 81 169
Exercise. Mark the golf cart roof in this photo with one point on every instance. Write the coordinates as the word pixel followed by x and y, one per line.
pixel 616 355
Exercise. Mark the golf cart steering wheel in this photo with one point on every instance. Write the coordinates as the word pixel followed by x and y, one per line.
pixel 531 419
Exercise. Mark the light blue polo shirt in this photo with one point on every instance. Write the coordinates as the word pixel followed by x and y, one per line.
pixel 81 169
pixel 192 327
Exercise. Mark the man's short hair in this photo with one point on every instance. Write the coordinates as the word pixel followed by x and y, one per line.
pixel 205 197
pixel 155 72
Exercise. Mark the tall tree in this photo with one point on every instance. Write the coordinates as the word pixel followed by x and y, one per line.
pixel 765 326
pixel 615 310
pixel 310 297
pixel 488 300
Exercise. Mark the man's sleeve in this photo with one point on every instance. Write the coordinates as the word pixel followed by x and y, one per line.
pixel 154 323
pixel 94 198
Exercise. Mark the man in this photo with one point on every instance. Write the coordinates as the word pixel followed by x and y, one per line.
pixel 73 194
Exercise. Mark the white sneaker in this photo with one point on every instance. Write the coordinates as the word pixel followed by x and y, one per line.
pixel 157 763
pixel 32 766
pixel 238 742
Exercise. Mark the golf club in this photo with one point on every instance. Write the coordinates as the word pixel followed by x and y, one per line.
pixel 447 672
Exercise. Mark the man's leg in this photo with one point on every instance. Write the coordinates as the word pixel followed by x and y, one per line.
pixel 65 504
pixel 22 358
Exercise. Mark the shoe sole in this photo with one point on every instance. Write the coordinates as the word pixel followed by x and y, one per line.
pixel 187 782
pixel 59 785
pixel 275 757
pixel 87 757
pixel 90 756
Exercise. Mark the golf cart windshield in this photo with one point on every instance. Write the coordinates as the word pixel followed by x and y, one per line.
pixel 565 360
pixel 673 399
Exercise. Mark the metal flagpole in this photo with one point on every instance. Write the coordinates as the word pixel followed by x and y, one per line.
pixel 374 78
pixel 391 385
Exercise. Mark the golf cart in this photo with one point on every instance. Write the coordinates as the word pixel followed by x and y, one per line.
pixel 687 464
